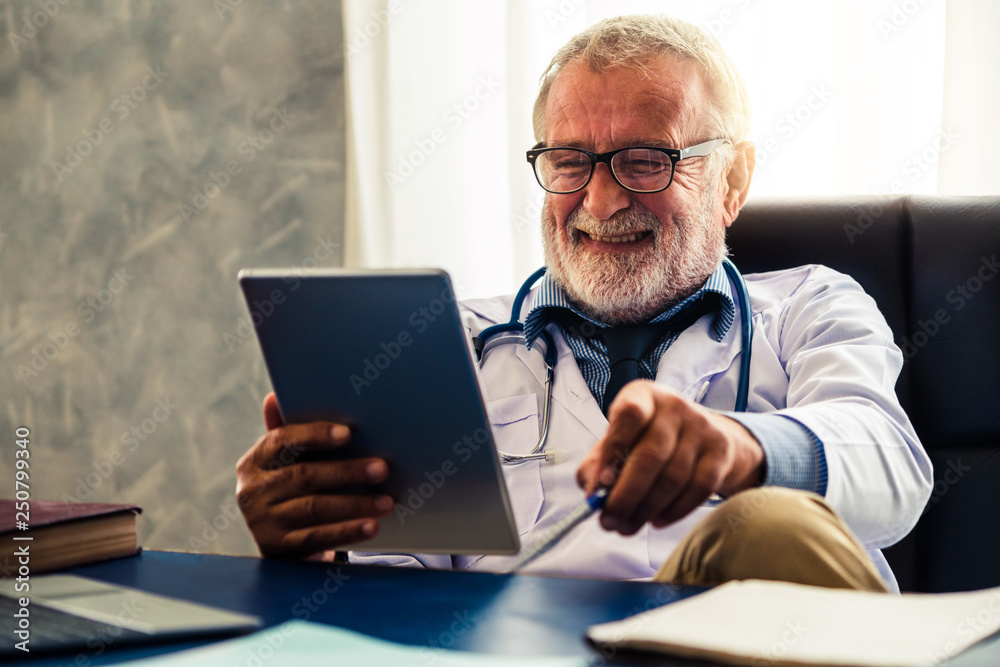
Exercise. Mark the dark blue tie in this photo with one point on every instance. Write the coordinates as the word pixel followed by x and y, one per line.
pixel 627 345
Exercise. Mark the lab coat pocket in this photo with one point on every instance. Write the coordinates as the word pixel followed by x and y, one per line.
pixel 515 427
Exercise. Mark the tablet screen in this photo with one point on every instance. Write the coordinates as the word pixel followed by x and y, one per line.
pixel 386 353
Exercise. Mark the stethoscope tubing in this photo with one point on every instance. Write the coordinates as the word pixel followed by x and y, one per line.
pixel 512 332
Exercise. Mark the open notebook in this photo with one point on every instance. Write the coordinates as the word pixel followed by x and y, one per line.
pixel 777 624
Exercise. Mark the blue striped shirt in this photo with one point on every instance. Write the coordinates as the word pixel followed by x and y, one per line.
pixel 794 456
pixel 592 354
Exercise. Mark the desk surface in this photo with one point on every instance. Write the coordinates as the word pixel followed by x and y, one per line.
pixel 488 613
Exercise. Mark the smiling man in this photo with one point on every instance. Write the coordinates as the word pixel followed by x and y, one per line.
pixel 618 256
pixel 642 124
pixel 625 256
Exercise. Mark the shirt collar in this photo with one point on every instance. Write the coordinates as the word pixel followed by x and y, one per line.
pixel 549 295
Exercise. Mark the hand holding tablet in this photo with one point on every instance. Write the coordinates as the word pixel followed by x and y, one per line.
pixel 297 509
pixel 378 419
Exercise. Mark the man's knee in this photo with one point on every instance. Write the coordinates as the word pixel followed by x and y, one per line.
pixel 768 512
pixel 773 533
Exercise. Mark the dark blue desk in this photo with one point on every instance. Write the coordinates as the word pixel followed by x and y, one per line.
pixel 488 613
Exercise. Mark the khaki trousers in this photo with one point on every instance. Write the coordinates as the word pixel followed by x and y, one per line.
pixel 777 534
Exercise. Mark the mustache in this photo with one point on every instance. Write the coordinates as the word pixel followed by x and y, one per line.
pixel 631 220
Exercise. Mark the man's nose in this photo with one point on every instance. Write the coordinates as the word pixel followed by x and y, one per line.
pixel 604 196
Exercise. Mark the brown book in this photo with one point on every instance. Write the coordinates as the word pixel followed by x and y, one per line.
pixel 64 534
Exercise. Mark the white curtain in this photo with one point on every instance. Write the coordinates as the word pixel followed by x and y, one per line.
pixel 849 97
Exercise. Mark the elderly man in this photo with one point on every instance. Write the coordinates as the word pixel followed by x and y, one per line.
pixel 642 125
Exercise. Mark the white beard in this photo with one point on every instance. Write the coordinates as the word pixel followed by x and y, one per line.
pixel 623 289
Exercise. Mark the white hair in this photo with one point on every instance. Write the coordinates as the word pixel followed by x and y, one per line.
pixel 631 41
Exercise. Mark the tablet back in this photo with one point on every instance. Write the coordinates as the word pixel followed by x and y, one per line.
pixel 387 354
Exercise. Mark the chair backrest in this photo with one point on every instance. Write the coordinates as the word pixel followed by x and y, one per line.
pixel 931 264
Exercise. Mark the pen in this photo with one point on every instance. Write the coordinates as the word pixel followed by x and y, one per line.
pixel 593 503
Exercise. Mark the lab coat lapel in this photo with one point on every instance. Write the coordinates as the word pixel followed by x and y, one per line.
pixel 695 357
pixel 570 390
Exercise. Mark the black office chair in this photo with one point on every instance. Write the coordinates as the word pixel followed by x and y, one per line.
pixel 931 264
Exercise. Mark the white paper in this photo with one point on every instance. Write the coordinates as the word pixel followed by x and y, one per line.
pixel 776 623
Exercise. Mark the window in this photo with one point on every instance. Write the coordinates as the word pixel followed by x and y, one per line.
pixel 849 97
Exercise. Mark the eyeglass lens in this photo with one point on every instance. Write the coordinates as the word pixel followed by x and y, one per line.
pixel 639 169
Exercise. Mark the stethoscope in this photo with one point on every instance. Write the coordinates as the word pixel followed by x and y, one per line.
pixel 512 332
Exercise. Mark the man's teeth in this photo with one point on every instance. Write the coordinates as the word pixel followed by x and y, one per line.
pixel 618 239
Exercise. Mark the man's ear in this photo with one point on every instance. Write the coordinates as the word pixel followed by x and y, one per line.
pixel 738 180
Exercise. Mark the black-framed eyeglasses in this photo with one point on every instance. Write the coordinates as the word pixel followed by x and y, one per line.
pixel 644 169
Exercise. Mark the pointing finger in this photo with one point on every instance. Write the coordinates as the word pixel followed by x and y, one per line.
pixel 629 416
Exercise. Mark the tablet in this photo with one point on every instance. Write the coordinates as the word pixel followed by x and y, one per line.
pixel 386 353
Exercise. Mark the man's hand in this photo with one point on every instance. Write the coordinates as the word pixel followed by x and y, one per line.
pixel 299 509
pixel 664 455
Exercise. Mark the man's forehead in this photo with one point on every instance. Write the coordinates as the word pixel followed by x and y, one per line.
pixel 662 103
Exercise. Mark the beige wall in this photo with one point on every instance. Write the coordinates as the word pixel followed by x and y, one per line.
pixel 120 340
pixel 972 99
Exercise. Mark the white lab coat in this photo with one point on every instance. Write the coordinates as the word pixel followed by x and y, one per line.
pixel 822 354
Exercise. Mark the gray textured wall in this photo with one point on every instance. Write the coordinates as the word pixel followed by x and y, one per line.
pixel 149 150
